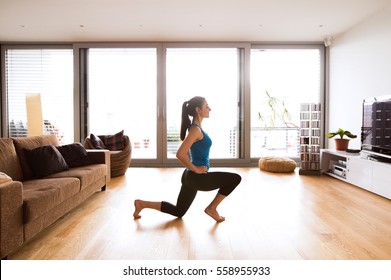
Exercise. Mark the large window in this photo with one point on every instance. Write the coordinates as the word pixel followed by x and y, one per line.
pixel 124 89
pixel 214 74
pixel 254 91
pixel 49 73
pixel 281 79
pixel 122 92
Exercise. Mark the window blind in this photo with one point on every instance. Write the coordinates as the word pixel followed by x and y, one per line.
pixel 48 72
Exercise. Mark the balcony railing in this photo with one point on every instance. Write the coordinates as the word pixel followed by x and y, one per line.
pixel 20 129
pixel 275 141
pixel 264 141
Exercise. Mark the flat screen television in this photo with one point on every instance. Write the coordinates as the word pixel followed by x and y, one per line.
pixel 376 127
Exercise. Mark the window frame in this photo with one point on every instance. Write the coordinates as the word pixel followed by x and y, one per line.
pixel 162 159
pixel 80 131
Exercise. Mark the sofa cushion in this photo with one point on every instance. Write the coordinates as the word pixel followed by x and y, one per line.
pixel 75 154
pixel 9 161
pixel 113 142
pixel 87 174
pixel 42 195
pixel 96 142
pixel 31 142
pixel 45 160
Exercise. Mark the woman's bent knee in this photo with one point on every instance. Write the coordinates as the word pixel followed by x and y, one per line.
pixel 238 178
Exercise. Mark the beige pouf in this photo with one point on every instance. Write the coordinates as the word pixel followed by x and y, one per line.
pixel 277 164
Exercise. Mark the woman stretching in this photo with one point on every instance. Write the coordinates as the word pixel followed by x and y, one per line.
pixel 194 155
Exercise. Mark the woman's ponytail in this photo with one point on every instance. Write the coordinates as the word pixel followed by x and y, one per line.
pixel 189 109
pixel 185 119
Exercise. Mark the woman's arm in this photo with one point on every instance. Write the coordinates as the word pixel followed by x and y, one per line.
pixel 183 155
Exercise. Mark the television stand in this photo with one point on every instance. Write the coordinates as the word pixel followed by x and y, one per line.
pixel 379 158
pixel 362 172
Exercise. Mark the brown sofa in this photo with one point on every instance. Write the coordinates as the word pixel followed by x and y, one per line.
pixel 30 203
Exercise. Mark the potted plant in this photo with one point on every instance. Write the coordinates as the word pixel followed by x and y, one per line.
pixel 341 143
pixel 275 114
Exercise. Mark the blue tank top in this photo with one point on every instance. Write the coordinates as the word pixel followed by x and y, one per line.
pixel 199 151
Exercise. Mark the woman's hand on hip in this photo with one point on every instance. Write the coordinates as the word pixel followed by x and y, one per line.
pixel 201 169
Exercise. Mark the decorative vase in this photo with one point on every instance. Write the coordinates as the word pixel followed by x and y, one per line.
pixel 341 144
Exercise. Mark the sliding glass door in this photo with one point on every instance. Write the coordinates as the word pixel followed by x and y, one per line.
pixel 126 93
pixel 214 74
pixel 122 95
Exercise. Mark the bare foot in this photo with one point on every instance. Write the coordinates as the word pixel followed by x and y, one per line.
pixel 137 209
pixel 215 215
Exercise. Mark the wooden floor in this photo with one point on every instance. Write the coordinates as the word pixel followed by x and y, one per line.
pixel 269 216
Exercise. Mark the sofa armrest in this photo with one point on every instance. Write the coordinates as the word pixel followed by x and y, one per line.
pixel 101 156
pixel 11 217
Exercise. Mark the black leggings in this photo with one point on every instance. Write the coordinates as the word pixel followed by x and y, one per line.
pixel 192 183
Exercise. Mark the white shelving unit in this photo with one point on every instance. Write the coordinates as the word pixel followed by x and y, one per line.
pixel 358 170
pixel 310 137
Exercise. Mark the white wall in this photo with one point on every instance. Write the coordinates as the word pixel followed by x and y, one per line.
pixel 360 67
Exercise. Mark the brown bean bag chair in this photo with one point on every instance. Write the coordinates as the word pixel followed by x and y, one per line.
pixel 277 164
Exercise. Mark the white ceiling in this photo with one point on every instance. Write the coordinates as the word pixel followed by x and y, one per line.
pixel 180 20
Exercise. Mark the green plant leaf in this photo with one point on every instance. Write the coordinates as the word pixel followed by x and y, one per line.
pixel 341 134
